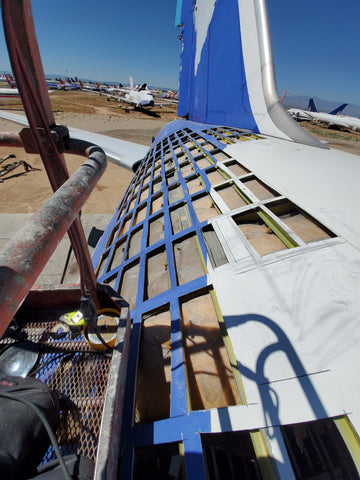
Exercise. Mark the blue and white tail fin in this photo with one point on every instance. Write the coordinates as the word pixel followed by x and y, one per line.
pixel 227 72
pixel 338 109
pixel 312 106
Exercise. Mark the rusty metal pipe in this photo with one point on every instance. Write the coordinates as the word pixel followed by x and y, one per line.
pixel 26 254
pixel 27 67
pixel 10 139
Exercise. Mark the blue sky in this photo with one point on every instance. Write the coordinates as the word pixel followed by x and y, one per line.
pixel 316 48
pixel 315 42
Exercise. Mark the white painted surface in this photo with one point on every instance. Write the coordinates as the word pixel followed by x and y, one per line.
pixel 319 181
pixel 253 67
pixel 203 13
pixel 293 325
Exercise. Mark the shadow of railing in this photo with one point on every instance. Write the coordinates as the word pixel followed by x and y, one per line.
pixel 269 398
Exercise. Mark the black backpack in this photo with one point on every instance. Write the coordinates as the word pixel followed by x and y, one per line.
pixel 23 438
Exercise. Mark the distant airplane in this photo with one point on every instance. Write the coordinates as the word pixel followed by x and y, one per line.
pixel 89 86
pixel 331 119
pixel 169 97
pixel 8 93
pixel 10 80
pixel 312 107
pixel 69 85
pixel 141 97
pixel 301 114
pixel 13 92
pixel 111 89
pixel 338 109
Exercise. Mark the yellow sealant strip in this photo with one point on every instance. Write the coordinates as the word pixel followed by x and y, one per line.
pixel 279 232
pixel 262 455
pixel 229 349
pixel 350 437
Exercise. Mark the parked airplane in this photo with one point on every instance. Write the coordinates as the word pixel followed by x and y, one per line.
pixel 112 89
pixel 139 97
pixel 8 93
pixel 169 97
pixel 298 112
pixel 240 264
pixel 53 85
pixel 89 86
pixel 331 119
pixel 169 94
pixel 312 107
pixel 68 85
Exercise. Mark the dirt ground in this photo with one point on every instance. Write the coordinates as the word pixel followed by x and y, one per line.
pixel 25 191
pixel 345 140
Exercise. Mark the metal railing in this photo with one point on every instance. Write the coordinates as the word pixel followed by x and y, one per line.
pixel 27 253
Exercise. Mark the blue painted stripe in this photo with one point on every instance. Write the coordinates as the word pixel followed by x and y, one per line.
pixel 183 425
pixel 217 93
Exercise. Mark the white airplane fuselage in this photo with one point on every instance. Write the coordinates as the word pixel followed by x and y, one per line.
pixel 143 98
pixel 340 121
pixel 8 93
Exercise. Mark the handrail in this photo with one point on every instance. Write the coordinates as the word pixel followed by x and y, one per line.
pixel 28 251
pixel 23 260
pixel 29 75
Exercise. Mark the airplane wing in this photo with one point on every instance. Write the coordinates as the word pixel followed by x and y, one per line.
pixel 236 246
pixel 116 97
pixel 123 99
pixel 121 152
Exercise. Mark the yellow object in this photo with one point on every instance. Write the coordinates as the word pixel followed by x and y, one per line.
pixel 108 321
pixel 350 438
pixel 74 320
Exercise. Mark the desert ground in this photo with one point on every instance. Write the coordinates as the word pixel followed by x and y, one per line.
pixel 24 191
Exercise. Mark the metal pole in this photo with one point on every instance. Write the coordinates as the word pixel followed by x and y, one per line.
pixel 26 254
pixel 30 79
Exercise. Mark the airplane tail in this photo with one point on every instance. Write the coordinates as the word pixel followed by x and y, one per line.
pixel 10 80
pixel 339 109
pixel 131 83
pixel 312 106
pixel 227 70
